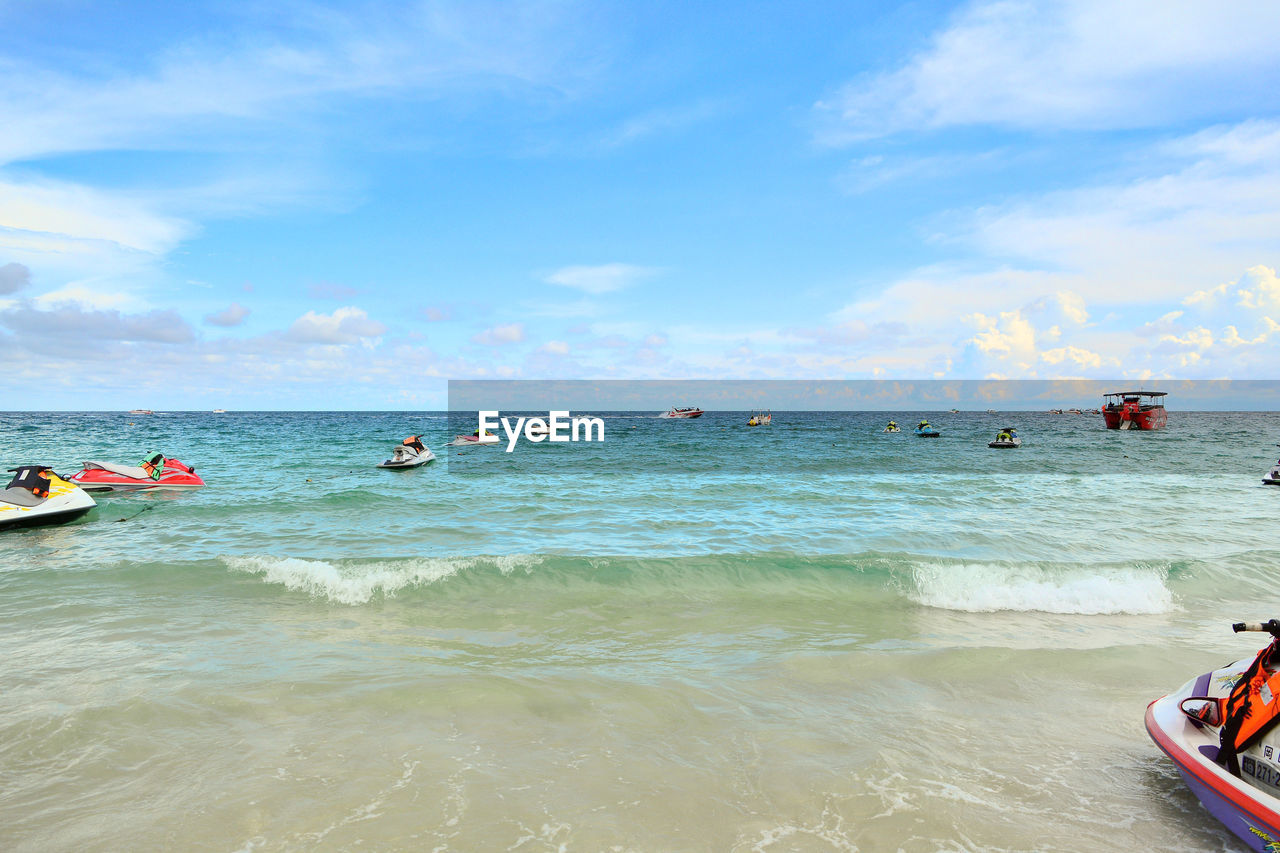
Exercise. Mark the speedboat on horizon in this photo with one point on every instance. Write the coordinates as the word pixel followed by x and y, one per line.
pixel 1219 730
pixel 682 412
pixel 155 471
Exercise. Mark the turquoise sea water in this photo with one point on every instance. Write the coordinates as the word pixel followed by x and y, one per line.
pixel 696 636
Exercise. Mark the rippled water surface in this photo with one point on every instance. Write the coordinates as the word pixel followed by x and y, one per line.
pixel 695 636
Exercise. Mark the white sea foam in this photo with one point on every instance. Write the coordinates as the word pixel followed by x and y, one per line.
pixel 988 587
pixel 353 582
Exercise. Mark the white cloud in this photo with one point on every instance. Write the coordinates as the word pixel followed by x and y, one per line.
pixel 604 278
pixel 346 325
pixel 232 84
pixel 233 315
pixel 1072 64
pixel 554 348
pixel 512 333
pixel 44 209
pixel 79 294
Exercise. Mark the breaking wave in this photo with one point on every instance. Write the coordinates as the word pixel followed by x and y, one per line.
pixel 972 586
pixel 357 582
pixel 1095 590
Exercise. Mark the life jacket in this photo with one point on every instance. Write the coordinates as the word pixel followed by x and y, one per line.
pixel 32 478
pixel 1252 707
pixel 153 465
pixel 414 442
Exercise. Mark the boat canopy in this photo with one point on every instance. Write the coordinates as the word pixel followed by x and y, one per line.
pixel 1138 394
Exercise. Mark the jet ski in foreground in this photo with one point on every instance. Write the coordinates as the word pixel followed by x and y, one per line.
pixel 1273 476
pixel 924 430
pixel 1219 729
pixel 411 453
pixel 153 472
pixel 1005 439
pixel 38 496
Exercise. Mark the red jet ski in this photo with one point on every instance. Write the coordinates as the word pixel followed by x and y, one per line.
pixel 154 472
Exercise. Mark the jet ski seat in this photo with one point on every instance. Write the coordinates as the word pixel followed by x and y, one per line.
pixel 29 487
pixel 151 468
pixel 19 496
pixel 134 471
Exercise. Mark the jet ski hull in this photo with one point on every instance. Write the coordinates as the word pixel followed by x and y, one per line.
pixel 931 434
pixel 1249 812
pixel 41 519
pixel 65 503
pixel 1005 445
pixel 404 465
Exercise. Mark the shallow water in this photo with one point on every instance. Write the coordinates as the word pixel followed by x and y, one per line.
pixel 696 636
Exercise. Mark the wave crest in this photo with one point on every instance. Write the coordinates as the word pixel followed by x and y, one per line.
pixel 357 582
pixel 989 587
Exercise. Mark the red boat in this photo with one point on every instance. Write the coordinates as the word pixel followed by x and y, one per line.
pixel 682 412
pixel 155 472
pixel 1135 410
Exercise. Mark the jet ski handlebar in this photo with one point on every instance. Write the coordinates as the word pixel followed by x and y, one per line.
pixel 1271 626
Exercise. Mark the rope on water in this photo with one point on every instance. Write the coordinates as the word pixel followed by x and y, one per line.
pixel 138 513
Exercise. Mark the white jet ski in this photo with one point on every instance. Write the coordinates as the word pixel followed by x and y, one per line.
pixel 411 453
pixel 1219 730
pixel 38 496
pixel 1273 477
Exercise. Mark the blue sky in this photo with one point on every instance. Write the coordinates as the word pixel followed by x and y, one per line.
pixel 344 205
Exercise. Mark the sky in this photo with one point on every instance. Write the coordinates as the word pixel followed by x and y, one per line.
pixel 343 206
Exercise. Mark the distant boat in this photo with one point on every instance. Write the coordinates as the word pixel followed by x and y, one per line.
pixel 219 411
pixel 682 412
pixel 1135 410
pixel 141 412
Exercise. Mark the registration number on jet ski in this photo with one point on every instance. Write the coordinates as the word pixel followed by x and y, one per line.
pixel 1263 772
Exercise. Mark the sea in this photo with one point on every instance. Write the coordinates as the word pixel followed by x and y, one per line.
pixel 693 636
